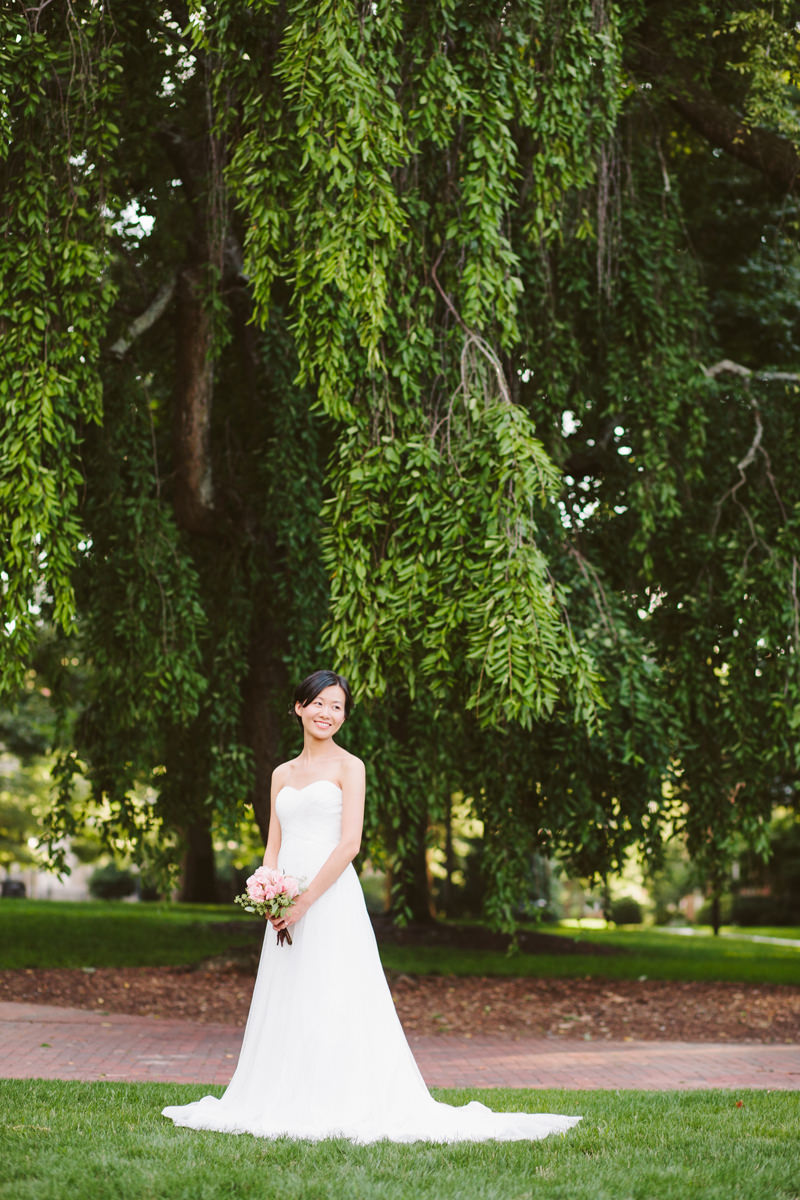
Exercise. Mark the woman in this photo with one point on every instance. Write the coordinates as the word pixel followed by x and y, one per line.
pixel 324 1054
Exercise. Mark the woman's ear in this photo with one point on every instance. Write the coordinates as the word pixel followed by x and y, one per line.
pixel 298 708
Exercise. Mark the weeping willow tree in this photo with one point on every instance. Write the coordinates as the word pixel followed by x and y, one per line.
pixel 381 335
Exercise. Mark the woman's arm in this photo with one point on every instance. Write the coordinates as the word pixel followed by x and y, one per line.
pixel 353 790
pixel 274 835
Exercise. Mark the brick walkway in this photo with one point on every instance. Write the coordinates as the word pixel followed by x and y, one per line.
pixel 39 1041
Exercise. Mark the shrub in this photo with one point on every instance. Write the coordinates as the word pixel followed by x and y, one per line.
pixel 111 883
pixel 761 910
pixel 151 889
pixel 626 911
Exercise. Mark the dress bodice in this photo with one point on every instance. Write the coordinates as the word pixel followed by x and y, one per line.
pixel 311 814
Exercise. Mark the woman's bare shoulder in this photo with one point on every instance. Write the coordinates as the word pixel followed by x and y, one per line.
pixel 282 773
pixel 351 764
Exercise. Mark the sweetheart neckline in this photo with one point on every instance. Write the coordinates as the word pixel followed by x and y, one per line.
pixel 287 787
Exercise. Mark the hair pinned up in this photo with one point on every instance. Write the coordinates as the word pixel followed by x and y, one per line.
pixel 315 683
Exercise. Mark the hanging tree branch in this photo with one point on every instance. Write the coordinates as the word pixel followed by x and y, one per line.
pixel 157 307
pixel 776 157
pixel 772 155
pixel 471 339
pixel 755 447
pixel 734 368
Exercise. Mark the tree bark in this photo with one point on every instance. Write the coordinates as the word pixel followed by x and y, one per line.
pixel 409 884
pixel 262 718
pixel 716 913
pixel 420 899
pixel 449 861
pixel 198 873
pixel 193 495
pixel 774 156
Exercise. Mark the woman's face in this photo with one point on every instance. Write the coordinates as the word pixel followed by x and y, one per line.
pixel 323 716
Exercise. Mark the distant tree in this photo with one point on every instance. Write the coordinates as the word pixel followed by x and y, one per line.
pixel 769 894
pixel 26 735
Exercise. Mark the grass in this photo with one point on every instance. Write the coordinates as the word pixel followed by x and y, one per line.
pixel 107 1141
pixel 651 953
pixel 792 932
pixel 51 933
pixel 40 933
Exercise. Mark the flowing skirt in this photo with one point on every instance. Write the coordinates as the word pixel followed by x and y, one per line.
pixel 324 1054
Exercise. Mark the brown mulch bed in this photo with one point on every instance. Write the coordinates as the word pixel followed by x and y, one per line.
pixel 584 1009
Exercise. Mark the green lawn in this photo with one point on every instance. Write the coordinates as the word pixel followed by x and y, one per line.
pixel 50 933
pixel 651 953
pixel 104 1141
pixel 39 933
pixel 747 932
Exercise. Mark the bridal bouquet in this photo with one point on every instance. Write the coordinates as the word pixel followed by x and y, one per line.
pixel 269 893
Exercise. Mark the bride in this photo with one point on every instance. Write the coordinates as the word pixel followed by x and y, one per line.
pixel 324 1054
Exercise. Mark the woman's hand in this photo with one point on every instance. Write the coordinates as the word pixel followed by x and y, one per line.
pixel 292 914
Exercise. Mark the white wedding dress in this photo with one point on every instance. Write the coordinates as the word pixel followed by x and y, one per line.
pixel 324 1054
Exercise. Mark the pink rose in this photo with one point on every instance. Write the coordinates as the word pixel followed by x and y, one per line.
pixel 275 891
pixel 290 886
pixel 266 884
pixel 255 888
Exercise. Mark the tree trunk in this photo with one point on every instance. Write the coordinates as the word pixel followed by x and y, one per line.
pixel 198 873
pixel 606 901
pixel 716 913
pixel 449 861
pixel 266 680
pixel 420 899
pixel 410 884
pixel 193 487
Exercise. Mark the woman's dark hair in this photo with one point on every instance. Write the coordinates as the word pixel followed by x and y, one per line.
pixel 315 683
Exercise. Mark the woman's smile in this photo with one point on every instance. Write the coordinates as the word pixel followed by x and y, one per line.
pixel 325 713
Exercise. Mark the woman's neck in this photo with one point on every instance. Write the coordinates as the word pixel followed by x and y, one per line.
pixel 314 751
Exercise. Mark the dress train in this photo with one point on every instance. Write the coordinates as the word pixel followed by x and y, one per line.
pixel 324 1054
